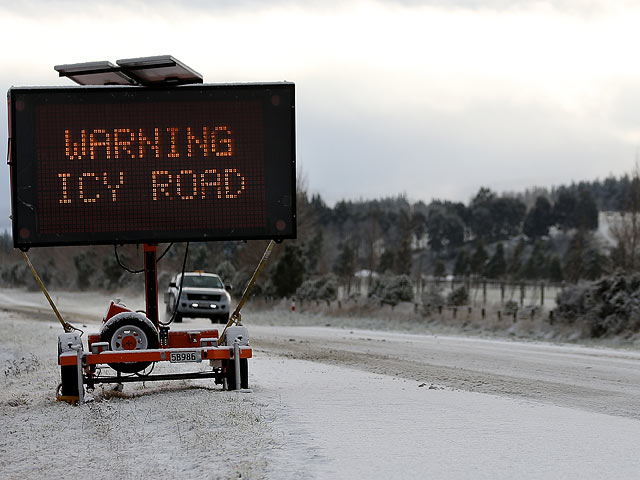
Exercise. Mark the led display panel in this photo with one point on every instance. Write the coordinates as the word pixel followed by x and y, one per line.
pixel 116 165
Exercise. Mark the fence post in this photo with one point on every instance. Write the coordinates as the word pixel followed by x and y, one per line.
pixel 501 293
pixel 542 294
pixel 522 291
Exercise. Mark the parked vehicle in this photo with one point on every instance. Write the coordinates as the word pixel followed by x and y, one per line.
pixel 203 295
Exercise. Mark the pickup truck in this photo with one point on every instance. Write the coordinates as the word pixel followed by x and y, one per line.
pixel 203 295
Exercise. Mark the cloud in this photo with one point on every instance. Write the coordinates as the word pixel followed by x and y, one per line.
pixel 432 98
pixel 435 154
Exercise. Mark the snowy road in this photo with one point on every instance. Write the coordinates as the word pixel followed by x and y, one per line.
pixel 327 403
pixel 595 379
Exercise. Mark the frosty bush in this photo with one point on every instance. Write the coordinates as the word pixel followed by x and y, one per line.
pixel 85 268
pixel 329 288
pixel 458 297
pixel 227 272
pixel 392 289
pixel 573 302
pixel 609 306
pixel 510 307
pixel 432 298
pixel 322 288
pixel 308 290
pixel 15 274
pixel 241 280
pixel 112 272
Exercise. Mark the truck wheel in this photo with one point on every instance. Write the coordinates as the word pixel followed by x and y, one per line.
pixel 231 374
pixel 129 331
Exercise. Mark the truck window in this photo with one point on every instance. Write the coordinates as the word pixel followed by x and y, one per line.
pixel 202 282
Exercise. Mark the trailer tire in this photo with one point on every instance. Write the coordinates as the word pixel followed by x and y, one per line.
pixel 129 322
pixel 231 374
pixel 69 380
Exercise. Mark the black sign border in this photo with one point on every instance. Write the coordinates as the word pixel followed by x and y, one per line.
pixel 279 157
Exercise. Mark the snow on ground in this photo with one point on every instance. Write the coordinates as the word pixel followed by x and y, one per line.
pixel 356 425
pixel 302 420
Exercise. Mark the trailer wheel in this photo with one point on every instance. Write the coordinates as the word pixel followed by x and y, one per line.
pixel 69 381
pixel 129 331
pixel 231 374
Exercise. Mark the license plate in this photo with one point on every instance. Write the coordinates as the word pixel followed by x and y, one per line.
pixel 185 357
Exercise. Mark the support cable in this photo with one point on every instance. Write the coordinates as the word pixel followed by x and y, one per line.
pixel 235 316
pixel 124 267
pixel 65 325
pixel 175 308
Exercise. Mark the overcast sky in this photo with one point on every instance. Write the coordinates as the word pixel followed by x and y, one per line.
pixel 433 99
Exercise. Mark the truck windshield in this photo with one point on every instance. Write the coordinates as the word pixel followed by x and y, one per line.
pixel 202 281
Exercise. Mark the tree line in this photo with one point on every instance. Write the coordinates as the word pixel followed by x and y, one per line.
pixel 537 234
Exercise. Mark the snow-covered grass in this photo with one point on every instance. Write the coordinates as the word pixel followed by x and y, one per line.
pixel 404 319
pixel 169 429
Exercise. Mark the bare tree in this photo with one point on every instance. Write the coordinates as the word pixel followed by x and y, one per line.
pixel 625 229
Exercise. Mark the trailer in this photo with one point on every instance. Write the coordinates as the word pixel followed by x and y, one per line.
pixel 128 343
pixel 143 152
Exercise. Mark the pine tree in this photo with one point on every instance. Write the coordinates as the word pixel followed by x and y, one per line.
pixel 386 261
pixel 479 258
pixel 538 220
pixel 403 258
pixel 461 267
pixel 345 266
pixel 439 269
pixel 595 263
pixel 586 211
pixel 535 266
pixel 554 271
pixel 497 266
pixel 288 272
pixel 564 209
pixel 514 266
pixel 574 263
pixel 313 252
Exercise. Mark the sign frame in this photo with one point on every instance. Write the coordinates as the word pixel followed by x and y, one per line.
pixel 275 114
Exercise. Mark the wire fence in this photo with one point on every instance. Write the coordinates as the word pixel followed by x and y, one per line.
pixel 482 292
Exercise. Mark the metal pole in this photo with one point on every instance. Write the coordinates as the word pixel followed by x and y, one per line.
pixel 80 378
pixel 151 283
pixel 236 361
